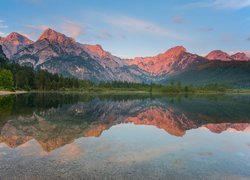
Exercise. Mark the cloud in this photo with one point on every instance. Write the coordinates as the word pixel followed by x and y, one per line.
pixel 220 4
pixel 34 31
pixel 227 38
pixel 2 33
pixel 26 35
pixel 37 27
pixel 31 1
pixel 126 23
pixel 72 29
pixel 206 29
pixel 2 26
pixel 248 38
pixel 103 34
pixel 178 19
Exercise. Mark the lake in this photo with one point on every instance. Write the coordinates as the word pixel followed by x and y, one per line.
pixel 74 136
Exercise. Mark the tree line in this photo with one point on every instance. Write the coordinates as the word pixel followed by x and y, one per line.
pixel 16 77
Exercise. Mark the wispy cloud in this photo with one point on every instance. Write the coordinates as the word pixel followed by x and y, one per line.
pixel 248 38
pixel 2 27
pixel 72 29
pixel 206 29
pixel 103 34
pixel 220 4
pixel 31 1
pixel 227 37
pixel 2 33
pixel 34 31
pixel 126 23
pixel 37 27
pixel 178 19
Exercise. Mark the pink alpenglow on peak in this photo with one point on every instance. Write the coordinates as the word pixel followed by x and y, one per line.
pixel 54 36
pixel 171 61
pixel 223 56
pixel 218 55
pixel 96 51
pixel 173 52
pixel 240 56
pixel 13 43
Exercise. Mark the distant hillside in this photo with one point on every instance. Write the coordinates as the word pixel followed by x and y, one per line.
pixel 235 73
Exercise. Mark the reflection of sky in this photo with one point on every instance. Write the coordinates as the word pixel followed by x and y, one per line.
pixel 127 146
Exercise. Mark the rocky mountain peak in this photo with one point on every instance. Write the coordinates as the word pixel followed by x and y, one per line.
pixel 17 38
pixel 175 51
pixel 14 42
pixel 240 56
pixel 54 36
pixel 219 55
pixel 96 50
pixel 173 60
pixel 223 56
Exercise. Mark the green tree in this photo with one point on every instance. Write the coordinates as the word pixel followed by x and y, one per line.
pixel 6 79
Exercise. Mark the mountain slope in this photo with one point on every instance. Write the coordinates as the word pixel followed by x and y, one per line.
pixel 236 73
pixel 172 61
pixel 2 55
pixel 60 54
pixel 223 56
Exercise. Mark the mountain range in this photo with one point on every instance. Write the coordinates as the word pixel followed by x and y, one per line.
pixel 57 53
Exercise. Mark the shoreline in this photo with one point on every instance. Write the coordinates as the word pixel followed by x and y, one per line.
pixel 124 92
pixel 11 92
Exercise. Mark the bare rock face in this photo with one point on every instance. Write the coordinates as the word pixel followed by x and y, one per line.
pixel 240 56
pixel 223 56
pixel 57 37
pixel 96 51
pixel 51 44
pixel 13 43
pixel 218 55
pixel 173 60
pixel 60 54
pixel 2 55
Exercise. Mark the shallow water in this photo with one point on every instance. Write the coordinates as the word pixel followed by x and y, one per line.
pixel 59 136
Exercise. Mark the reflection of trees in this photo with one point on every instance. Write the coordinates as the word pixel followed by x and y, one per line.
pixel 6 105
pixel 57 119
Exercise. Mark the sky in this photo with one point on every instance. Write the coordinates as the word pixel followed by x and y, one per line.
pixel 131 28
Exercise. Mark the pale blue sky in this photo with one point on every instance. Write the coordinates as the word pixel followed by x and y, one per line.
pixel 129 28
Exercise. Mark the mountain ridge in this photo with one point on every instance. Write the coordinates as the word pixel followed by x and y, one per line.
pixel 223 56
pixel 58 53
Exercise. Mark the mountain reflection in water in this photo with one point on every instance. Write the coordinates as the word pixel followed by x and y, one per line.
pixel 55 120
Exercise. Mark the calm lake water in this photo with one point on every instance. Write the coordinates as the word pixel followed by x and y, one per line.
pixel 59 136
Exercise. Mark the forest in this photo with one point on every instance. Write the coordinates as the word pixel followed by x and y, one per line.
pixel 15 77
